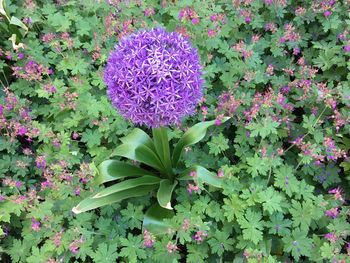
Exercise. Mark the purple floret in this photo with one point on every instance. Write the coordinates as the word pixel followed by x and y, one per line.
pixel 154 77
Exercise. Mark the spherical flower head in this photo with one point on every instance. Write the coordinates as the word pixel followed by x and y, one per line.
pixel 154 78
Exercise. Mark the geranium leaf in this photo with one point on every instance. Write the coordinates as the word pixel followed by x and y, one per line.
pixel 127 184
pixel 93 203
pixel 192 136
pixel 110 170
pixel 154 219
pixel 164 193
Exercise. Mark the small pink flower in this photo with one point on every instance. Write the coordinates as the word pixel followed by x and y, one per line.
pixel 347 48
pixel 331 237
pixel 148 239
pixel 21 56
pixel 248 19
pixel 40 162
pixel 211 33
pixel 171 247
pixel 195 20
pixel 199 236
pixel 327 13
pixel 186 225
pixel 74 247
pixel 218 122
pixel 221 173
pixel 192 188
pixel 193 174
pixel 333 212
pixel 35 225
pixel 337 193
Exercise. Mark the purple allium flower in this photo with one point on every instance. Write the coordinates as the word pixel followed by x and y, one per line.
pixel 154 77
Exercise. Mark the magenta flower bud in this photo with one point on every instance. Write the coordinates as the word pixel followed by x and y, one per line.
pixel 21 131
pixel 248 19
pixel 221 173
pixel 327 13
pixel 21 56
pixel 1 110
pixel 282 40
pixel 35 225
pixel 218 122
pixel 211 33
pixel 347 48
pixel 195 20
pixel 154 77
pixel 332 213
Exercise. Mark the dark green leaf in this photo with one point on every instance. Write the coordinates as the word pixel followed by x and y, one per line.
pixel 110 170
pixel 161 143
pixel 165 191
pixel 140 153
pixel 127 184
pixel 93 203
pixel 192 136
pixel 154 219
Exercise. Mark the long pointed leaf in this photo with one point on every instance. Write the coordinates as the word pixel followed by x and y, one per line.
pixel 140 153
pixel 154 219
pixel 165 190
pixel 138 137
pixel 203 175
pixel 127 184
pixel 91 203
pixel 110 170
pixel 161 143
pixel 192 136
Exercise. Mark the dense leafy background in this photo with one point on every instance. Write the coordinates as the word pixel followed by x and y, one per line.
pixel 279 68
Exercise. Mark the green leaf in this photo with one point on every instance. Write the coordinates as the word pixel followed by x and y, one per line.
pixel 140 153
pixel 138 137
pixel 165 191
pixel 298 244
pixel 92 203
pixel 17 22
pixel 105 253
pixel 257 166
pixel 252 226
pixel 110 170
pixel 161 143
pixel 271 200
pixel 221 242
pixel 132 249
pixel 154 219
pixel 218 144
pixel 127 184
pixel 192 136
pixel 279 225
pixel 203 176
pixel 264 128
pixel 2 9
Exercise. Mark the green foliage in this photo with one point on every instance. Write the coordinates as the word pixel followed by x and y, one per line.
pixel 263 176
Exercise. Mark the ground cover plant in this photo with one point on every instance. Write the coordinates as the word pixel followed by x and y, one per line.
pixel 277 69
